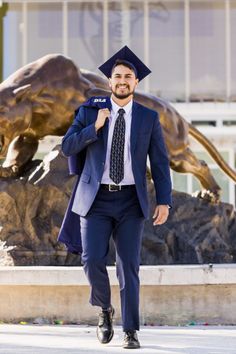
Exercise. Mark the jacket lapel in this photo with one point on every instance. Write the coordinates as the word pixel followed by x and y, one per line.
pixel 106 126
pixel 135 125
pixel 105 134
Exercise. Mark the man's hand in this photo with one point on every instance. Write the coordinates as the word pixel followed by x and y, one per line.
pixel 160 214
pixel 101 118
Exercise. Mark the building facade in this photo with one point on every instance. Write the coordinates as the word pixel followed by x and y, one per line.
pixel 190 46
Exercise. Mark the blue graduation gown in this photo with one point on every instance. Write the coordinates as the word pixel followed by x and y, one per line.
pixel 69 233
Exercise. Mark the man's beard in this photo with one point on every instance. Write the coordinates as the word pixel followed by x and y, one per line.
pixel 122 95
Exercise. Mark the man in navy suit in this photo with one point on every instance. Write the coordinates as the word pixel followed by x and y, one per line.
pixel 110 197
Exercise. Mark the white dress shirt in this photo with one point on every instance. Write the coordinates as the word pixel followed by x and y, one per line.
pixel 128 173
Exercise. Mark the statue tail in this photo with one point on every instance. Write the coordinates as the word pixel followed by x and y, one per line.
pixel 197 135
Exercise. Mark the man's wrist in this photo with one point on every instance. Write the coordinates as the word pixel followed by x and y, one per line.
pixel 96 128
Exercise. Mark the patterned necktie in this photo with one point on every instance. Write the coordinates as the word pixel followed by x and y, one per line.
pixel 117 149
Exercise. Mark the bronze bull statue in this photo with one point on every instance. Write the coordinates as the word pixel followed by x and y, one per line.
pixel 40 99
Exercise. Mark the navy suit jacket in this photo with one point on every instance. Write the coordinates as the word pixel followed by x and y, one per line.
pixel 86 150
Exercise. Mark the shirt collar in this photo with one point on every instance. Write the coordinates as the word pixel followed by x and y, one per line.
pixel 127 107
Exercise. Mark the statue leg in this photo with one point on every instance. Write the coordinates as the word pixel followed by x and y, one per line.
pixel 19 154
pixel 187 162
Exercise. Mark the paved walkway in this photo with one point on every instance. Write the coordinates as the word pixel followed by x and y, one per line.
pixel 35 339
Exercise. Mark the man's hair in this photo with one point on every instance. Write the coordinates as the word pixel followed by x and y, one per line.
pixel 126 63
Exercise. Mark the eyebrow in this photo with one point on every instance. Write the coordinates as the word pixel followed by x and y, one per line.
pixel 121 74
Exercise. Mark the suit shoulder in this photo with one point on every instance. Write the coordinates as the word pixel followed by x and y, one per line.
pixel 147 111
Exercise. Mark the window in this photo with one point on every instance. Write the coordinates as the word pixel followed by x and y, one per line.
pixel 85 32
pixel 233 47
pixel 12 39
pixel 207 50
pixel 44 29
pixel 166 37
pixel 136 37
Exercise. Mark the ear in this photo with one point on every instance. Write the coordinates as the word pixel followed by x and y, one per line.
pixel 136 83
pixel 21 92
pixel 109 82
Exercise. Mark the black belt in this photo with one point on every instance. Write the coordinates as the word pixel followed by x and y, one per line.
pixel 115 188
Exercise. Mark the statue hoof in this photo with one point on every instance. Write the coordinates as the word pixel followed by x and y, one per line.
pixel 8 172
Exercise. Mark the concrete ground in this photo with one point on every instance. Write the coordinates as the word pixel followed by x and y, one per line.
pixel 36 339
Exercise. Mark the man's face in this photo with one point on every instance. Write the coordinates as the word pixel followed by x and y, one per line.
pixel 122 82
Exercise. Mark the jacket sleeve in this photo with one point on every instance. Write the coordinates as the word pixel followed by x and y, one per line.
pixel 79 135
pixel 159 164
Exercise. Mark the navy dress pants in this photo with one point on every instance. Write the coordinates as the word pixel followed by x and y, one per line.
pixel 117 214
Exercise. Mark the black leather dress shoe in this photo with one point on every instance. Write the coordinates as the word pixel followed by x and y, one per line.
pixel 131 340
pixel 105 328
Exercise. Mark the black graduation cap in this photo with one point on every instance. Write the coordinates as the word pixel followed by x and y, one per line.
pixel 126 54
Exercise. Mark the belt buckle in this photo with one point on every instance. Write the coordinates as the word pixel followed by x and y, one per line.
pixel 116 188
